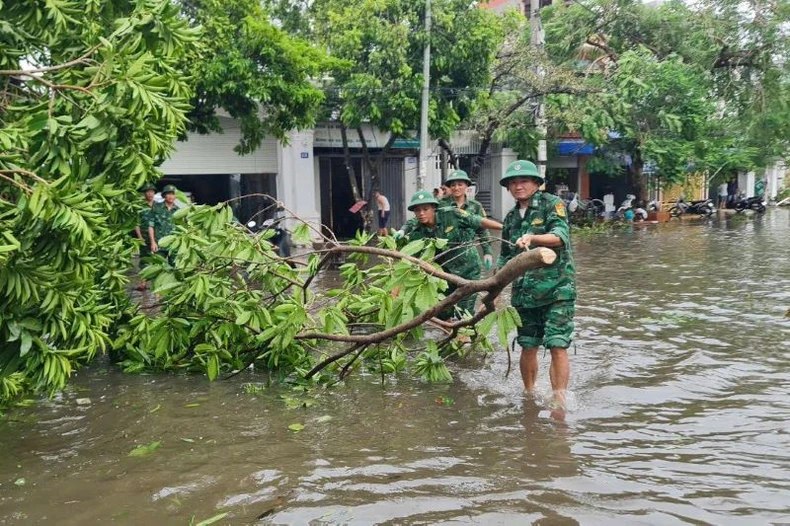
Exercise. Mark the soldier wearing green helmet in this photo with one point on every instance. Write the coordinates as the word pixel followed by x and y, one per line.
pixel 453 224
pixel 148 190
pixel 458 181
pixel 160 221
pixel 545 297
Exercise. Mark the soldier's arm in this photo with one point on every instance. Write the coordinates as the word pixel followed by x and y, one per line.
pixel 557 230
pixel 506 252
pixel 409 226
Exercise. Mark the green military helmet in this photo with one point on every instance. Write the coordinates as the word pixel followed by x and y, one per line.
pixel 422 197
pixel 168 189
pixel 458 175
pixel 520 169
pixel 148 186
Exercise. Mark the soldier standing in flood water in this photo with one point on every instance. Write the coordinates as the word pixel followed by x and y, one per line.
pixel 455 225
pixel 160 220
pixel 458 182
pixel 544 297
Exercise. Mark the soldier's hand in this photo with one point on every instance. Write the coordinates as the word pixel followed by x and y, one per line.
pixel 524 241
pixel 398 235
pixel 488 261
pixel 154 247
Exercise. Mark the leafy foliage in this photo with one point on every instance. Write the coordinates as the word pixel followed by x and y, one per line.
pixel 91 101
pixel 253 70
pixel 230 301
pixel 684 86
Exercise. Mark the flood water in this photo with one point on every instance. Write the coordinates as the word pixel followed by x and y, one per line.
pixel 680 380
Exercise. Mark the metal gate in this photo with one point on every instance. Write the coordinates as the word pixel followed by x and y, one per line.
pixel 392 186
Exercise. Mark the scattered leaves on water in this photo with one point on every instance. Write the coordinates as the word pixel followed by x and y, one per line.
pixel 212 520
pixel 322 419
pixel 193 405
pixel 155 409
pixel 296 427
pixel 20 482
pixel 445 401
pixel 143 450
pixel 190 440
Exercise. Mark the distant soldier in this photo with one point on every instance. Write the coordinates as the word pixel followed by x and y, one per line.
pixel 149 191
pixel 544 297
pixel 456 226
pixel 160 220
pixel 458 182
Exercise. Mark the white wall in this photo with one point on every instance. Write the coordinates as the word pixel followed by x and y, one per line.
pixel 297 180
pixel 213 154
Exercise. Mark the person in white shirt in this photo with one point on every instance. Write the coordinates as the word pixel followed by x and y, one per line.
pixel 383 205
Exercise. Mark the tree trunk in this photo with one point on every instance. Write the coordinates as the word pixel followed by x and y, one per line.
pixel 364 212
pixel 640 183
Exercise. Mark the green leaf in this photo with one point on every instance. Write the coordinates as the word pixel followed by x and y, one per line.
pixel 212 520
pixel 301 234
pixel 296 427
pixel 143 450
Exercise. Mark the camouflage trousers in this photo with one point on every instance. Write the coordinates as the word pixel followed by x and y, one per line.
pixel 550 325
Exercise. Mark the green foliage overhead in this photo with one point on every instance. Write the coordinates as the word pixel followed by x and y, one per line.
pixel 253 70
pixel 702 86
pixel 91 101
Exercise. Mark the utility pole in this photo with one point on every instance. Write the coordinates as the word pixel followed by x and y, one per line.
pixel 426 84
pixel 538 40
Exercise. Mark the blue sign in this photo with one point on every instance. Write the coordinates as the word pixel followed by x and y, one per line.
pixel 305 155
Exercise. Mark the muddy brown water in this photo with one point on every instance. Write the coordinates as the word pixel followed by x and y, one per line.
pixel 680 414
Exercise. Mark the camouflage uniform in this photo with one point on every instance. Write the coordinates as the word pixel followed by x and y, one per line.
pixel 544 297
pixel 473 207
pixel 143 222
pixel 161 219
pixel 458 227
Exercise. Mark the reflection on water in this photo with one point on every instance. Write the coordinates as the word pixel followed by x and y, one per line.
pixel 680 377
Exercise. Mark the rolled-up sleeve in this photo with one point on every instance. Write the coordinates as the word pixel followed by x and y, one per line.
pixel 557 225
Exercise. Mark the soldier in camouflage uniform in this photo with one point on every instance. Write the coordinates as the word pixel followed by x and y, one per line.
pixel 458 181
pixel 149 191
pixel 545 297
pixel 160 220
pixel 456 226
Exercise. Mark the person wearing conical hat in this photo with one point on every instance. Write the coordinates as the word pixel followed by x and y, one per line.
pixel 544 297
pixel 431 221
pixel 148 191
pixel 458 181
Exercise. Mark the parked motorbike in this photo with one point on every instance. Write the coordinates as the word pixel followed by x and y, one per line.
pixel 756 203
pixel 280 240
pixel 583 211
pixel 703 207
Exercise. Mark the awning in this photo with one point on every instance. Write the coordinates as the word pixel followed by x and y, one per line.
pixel 574 147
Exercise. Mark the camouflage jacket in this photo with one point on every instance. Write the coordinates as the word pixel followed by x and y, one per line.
pixel 546 214
pixel 162 220
pixel 144 217
pixel 457 227
pixel 473 207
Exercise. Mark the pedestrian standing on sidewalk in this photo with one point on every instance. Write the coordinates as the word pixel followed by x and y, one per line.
pixel 455 225
pixel 723 195
pixel 732 190
pixel 149 191
pixel 458 182
pixel 160 221
pixel 383 205
pixel 545 297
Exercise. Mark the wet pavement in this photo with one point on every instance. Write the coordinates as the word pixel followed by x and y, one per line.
pixel 680 411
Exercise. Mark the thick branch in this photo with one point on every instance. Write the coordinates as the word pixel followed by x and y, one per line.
pixel 444 145
pixel 494 285
pixel 29 72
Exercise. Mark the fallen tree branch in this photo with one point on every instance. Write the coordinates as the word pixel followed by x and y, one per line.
pixel 539 257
